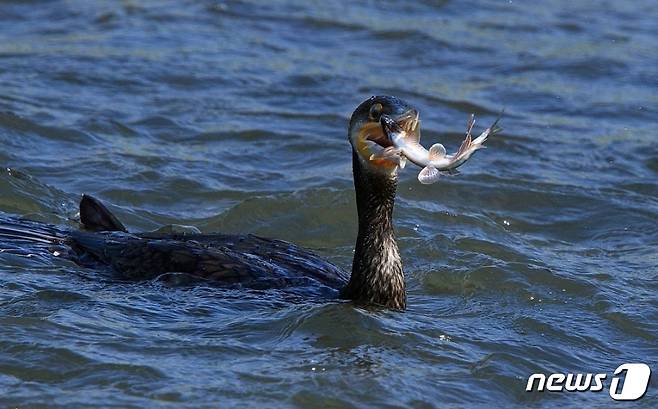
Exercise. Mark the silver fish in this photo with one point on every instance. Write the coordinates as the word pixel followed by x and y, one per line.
pixel 435 161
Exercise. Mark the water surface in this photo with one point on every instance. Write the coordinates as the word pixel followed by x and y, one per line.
pixel 231 116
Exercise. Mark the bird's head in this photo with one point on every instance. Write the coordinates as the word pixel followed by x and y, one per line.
pixel 368 138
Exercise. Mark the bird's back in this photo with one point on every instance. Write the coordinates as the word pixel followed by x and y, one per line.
pixel 232 260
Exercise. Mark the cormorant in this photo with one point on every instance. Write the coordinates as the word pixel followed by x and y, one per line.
pixel 254 262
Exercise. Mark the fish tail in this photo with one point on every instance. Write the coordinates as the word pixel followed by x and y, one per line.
pixel 492 130
pixel 495 128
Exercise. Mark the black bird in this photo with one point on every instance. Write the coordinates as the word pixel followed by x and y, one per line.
pixel 254 262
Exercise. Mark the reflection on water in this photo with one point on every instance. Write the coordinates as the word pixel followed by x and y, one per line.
pixel 231 116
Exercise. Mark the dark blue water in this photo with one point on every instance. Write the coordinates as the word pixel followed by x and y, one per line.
pixel 542 256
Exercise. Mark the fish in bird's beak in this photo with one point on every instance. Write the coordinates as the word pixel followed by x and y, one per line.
pixel 435 161
pixel 385 132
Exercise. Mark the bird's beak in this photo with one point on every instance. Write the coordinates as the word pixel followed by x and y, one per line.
pixel 379 133
pixel 390 127
pixel 375 143
pixel 408 122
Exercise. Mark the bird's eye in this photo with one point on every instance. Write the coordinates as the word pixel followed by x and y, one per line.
pixel 376 111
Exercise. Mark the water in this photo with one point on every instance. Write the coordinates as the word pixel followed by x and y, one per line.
pixel 231 116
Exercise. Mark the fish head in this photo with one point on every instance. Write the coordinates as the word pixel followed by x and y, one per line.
pixel 369 131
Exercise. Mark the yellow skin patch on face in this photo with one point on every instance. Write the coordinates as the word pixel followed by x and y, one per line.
pixel 372 131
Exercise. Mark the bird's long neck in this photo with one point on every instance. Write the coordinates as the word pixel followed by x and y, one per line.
pixel 377 276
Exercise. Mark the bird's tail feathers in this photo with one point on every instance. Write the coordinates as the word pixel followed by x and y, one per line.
pixel 29 231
